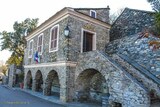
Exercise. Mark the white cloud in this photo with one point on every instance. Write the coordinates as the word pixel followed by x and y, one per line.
pixel 4 55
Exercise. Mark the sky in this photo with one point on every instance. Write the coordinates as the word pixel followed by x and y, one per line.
pixel 19 10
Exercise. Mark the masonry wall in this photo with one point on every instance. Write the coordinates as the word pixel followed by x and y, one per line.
pixel 65 79
pixel 11 76
pixel 75 26
pixel 46 55
pixel 122 88
pixel 102 14
pixel 130 22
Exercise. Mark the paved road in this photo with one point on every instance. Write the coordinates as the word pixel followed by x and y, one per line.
pixel 16 98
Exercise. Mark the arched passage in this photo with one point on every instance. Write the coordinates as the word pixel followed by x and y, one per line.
pixel 52 85
pixel 38 81
pixel 29 80
pixel 90 85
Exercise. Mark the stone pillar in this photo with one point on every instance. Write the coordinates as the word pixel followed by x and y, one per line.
pixel 47 88
pixel 63 94
pixel 11 75
pixel 34 85
pixel 70 83
pixel 25 82
pixel 105 100
pixel 67 84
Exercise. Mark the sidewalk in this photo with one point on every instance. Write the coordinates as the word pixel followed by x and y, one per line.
pixel 55 99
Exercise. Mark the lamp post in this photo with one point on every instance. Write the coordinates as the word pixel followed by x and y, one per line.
pixel 66 31
pixel 66 34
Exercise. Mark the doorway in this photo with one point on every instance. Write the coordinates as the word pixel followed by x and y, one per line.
pixel 88 41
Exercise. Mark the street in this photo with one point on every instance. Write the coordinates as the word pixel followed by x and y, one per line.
pixel 16 98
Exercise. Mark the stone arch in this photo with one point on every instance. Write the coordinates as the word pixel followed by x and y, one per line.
pixel 52 84
pixel 39 81
pixel 29 80
pixel 91 85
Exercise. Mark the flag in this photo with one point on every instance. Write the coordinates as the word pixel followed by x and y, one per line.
pixel 36 57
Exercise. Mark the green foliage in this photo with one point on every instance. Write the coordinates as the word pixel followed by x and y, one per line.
pixel 14 59
pixel 157 19
pixel 155 5
pixel 15 41
pixel 21 77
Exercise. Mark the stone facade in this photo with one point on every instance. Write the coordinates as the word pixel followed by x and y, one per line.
pixel 11 76
pixel 138 52
pixel 102 13
pixel 131 21
pixel 74 47
pixel 120 86
pixel 15 75
pixel 62 63
pixel 71 74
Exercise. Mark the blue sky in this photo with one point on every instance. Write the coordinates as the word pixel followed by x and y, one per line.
pixel 18 10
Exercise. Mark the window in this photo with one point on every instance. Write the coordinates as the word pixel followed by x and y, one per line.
pixel 40 44
pixel 88 41
pixel 93 13
pixel 30 49
pixel 54 33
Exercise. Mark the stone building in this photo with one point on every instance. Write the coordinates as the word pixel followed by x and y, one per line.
pixel 131 21
pixel 15 75
pixel 75 66
pixel 132 50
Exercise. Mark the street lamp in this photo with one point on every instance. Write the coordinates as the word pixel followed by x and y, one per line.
pixel 66 31
pixel 66 34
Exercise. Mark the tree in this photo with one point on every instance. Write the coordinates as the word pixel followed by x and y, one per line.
pixel 3 69
pixel 115 15
pixel 15 41
pixel 155 5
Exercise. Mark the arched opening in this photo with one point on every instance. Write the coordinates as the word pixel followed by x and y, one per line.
pixel 19 77
pixel 91 86
pixel 52 85
pixel 155 100
pixel 116 104
pixel 39 81
pixel 29 80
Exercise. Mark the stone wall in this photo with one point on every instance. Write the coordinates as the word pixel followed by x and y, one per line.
pixel 11 76
pixel 122 89
pixel 102 13
pixel 75 26
pixel 46 55
pixel 145 80
pixel 138 50
pixel 130 22
pixel 65 79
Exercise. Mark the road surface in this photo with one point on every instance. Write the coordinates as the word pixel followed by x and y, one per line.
pixel 17 98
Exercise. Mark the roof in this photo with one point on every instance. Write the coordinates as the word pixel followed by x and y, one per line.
pixel 67 11
pixel 91 8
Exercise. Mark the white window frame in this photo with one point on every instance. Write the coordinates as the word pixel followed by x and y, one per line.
pixel 40 53
pixel 94 39
pixel 94 12
pixel 30 56
pixel 57 38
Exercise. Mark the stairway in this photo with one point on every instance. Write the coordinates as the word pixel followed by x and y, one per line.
pixel 142 75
